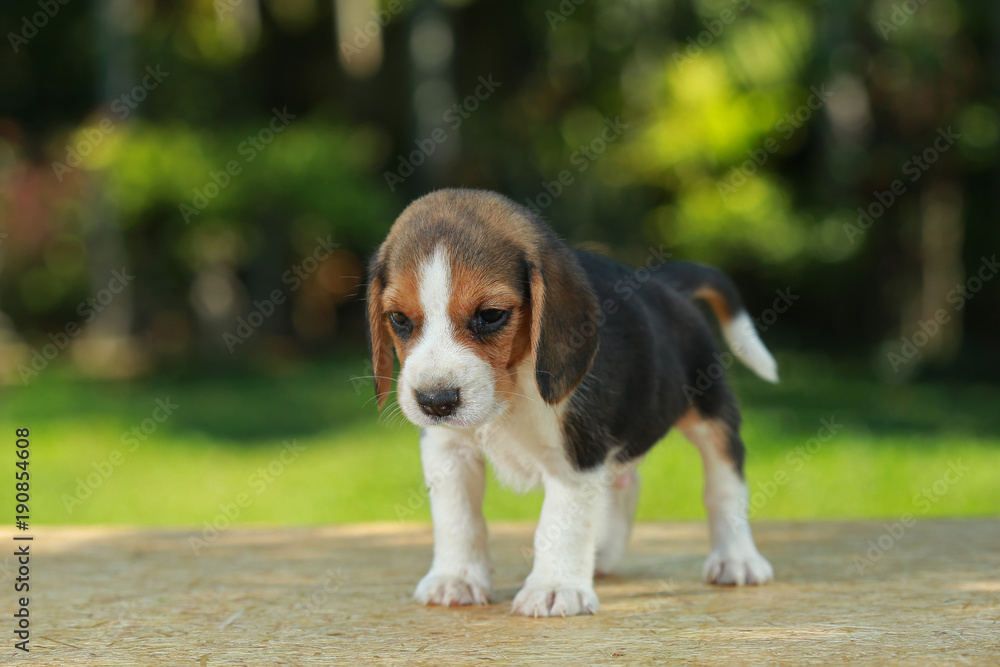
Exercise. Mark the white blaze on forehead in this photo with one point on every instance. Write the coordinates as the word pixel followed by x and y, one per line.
pixel 438 360
pixel 435 294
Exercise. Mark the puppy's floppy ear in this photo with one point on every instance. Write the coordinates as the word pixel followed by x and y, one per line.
pixel 563 333
pixel 379 341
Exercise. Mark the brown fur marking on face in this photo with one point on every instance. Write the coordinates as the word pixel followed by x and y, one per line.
pixel 486 238
pixel 500 258
pixel 477 228
pixel 403 295
pixel 501 288
pixel 378 336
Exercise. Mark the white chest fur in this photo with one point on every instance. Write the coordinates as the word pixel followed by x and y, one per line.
pixel 524 444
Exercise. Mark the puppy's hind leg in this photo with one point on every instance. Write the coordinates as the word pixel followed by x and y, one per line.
pixel 614 524
pixel 734 559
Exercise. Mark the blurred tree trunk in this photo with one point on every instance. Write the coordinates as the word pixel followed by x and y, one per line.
pixel 941 239
pixel 432 49
pixel 106 348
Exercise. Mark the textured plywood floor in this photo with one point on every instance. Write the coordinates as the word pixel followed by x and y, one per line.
pixel 341 596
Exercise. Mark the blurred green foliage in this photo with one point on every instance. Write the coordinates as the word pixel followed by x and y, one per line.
pixel 754 131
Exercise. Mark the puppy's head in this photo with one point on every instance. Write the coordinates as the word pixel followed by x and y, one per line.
pixel 466 286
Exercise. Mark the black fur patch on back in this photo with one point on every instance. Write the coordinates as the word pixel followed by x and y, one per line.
pixel 652 343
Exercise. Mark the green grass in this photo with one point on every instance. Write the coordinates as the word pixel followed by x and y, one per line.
pixel 895 443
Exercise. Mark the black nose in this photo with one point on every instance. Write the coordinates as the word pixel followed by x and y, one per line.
pixel 438 403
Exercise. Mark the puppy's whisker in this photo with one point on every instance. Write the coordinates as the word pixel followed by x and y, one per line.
pixel 387 416
pixel 385 395
pixel 514 393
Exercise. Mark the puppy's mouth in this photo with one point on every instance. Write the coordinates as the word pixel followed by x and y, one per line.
pixel 454 421
pixel 457 420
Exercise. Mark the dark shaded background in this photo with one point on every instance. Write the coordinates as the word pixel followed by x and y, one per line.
pixel 89 185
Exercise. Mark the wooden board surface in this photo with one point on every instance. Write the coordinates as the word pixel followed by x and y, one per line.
pixel 340 595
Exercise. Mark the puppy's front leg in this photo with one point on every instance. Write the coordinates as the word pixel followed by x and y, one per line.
pixel 561 582
pixel 455 474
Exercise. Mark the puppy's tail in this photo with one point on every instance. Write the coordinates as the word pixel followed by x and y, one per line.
pixel 717 290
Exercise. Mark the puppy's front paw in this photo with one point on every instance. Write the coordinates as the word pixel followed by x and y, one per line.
pixel 451 590
pixel 738 568
pixel 555 600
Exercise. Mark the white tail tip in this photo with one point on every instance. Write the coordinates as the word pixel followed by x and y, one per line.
pixel 741 334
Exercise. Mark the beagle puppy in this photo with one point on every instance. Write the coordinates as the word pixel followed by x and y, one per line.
pixel 563 368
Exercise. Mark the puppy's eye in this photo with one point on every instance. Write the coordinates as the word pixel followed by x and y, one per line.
pixel 399 319
pixel 489 320
pixel 491 315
